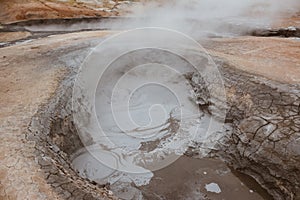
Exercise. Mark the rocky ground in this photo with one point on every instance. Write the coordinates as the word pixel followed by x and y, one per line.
pixel 261 74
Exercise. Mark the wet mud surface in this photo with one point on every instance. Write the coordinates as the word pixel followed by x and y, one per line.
pixel 190 178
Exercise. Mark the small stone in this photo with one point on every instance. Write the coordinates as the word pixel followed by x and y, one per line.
pixel 213 187
pixel 110 192
pixel 291 28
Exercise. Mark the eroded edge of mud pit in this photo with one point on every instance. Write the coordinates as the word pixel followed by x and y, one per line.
pixel 56 138
pixel 262 131
pixel 263 123
pixel 265 132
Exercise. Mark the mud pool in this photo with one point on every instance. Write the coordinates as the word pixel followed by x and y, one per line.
pixel 149 121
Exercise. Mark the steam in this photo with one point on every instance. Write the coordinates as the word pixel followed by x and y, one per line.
pixel 209 17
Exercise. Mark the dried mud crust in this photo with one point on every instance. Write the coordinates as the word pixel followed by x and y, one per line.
pixel 32 93
pixel 263 131
pixel 56 138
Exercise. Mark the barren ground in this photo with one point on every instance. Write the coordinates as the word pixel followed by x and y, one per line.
pixel 32 72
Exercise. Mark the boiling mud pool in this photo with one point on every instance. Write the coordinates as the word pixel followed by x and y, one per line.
pixel 148 120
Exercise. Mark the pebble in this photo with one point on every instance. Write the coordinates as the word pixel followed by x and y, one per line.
pixel 213 187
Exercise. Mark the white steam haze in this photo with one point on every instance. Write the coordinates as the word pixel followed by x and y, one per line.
pixel 209 17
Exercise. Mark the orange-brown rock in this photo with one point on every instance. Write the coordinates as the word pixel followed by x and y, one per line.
pixel 19 10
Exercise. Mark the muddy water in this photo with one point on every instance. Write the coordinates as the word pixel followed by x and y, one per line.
pixel 186 178
pixel 190 178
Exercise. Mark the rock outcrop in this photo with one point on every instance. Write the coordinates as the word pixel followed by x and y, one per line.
pixel 20 10
pixel 283 32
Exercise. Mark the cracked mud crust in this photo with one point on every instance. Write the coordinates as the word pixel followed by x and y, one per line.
pixel 30 77
pixel 262 138
pixel 262 131
pixel 261 77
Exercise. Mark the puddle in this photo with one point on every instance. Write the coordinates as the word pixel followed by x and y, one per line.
pixel 194 179
pixel 252 184
pixel 186 178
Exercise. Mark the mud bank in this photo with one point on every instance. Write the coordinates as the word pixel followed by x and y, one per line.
pixel 62 25
pixel 22 95
pixel 53 131
pixel 262 137
pixel 13 33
